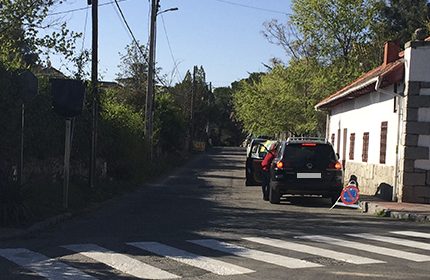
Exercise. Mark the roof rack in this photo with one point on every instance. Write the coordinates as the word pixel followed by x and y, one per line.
pixel 306 138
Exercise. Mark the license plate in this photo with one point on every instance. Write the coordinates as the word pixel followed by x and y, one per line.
pixel 308 175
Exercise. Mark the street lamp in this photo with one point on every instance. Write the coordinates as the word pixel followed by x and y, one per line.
pixel 149 102
pixel 167 10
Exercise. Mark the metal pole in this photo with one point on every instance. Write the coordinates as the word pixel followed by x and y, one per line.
pixel 150 89
pixel 193 92
pixel 395 192
pixel 94 84
pixel 21 158
pixel 67 148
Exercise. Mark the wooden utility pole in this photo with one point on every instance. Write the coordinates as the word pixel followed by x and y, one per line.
pixel 94 91
pixel 150 90
pixel 193 93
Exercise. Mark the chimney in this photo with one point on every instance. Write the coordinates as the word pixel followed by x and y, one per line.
pixel 391 52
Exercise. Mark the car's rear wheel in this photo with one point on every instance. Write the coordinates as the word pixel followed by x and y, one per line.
pixel 274 195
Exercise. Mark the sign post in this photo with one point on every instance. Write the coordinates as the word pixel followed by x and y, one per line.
pixel 349 196
pixel 28 89
pixel 68 100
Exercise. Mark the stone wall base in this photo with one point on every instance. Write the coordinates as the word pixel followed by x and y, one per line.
pixel 372 178
pixel 416 194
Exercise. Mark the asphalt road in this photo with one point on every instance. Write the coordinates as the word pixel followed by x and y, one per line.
pixel 202 222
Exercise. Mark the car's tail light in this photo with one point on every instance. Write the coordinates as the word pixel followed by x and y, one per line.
pixel 335 165
pixel 282 164
pixel 309 145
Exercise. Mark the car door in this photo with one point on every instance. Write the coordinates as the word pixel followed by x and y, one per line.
pixel 254 158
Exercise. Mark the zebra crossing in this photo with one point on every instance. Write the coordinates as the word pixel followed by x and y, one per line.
pixel 133 266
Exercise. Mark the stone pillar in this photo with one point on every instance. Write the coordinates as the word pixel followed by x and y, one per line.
pixel 414 165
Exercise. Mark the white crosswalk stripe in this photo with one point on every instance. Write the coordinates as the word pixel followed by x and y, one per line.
pixel 254 254
pixel 313 250
pixel 42 265
pixel 393 240
pixel 56 269
pixel 413 233
pixel 120 262
pixel 368 248
pixel 202 262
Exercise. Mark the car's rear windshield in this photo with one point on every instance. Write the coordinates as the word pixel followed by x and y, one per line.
pixel 318 154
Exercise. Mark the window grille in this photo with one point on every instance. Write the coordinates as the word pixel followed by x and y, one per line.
pixel 365 154
pixel 351 146
pixel 383 143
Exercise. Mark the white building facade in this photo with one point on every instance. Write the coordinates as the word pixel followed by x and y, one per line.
pixel 380 125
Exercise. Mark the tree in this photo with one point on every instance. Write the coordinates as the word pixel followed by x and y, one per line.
pixel 335 32
pixel 21 44
pixel 223 117
pixel 398 19
pixel 182 93
pixel 134 76
pixel 283 100
pixel 169 123
pixel 193 96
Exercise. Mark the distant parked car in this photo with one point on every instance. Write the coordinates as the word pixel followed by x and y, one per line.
pixel 305 166
pixel 255 153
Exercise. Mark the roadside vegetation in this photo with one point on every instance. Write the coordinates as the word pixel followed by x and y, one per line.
pixel 328 44
pixel 187 111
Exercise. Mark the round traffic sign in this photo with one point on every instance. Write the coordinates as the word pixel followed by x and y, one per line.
pixel 350 194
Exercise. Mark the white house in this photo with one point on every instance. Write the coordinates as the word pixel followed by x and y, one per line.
pixel 380 125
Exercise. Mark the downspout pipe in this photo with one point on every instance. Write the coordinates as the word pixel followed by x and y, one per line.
pixel 400 96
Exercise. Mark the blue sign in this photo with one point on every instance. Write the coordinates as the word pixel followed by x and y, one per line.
pixel 350 194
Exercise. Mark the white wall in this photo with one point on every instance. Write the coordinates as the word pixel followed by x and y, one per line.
pixel 417 61
pixel 365 114
pixel 417 66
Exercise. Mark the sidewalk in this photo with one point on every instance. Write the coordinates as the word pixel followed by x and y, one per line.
pixel 8 232
pixel 397 210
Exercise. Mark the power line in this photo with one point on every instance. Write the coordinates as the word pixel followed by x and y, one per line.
pixel 135 41
pixel 170 49
pixel 83 8
pixel 85 31
pixel 253 7
pixel 128 26
pixel 121 20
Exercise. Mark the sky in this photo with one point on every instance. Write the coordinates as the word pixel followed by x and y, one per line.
pixel 223 36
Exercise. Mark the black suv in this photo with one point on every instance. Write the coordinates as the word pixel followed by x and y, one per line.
pixel 305 166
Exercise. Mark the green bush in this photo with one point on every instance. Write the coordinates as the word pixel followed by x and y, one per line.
pixel 120 144
pixel 121 137
pixel 13 205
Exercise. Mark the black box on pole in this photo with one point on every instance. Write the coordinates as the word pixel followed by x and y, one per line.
pixel 68 97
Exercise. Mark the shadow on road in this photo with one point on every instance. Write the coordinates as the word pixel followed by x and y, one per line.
pixel 204 199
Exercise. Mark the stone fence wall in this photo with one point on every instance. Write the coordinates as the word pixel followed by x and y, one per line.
pixel 372 178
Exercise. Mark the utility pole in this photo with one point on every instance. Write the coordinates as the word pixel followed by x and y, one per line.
pixel 94 91
pixel 150 90
pixel 193 93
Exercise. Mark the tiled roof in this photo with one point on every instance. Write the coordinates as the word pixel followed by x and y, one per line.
pixel 389 73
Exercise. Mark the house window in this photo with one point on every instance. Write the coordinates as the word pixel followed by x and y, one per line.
pixel 332 139
pixel 383 143
pixel 351 146
pixel 338 142
pixel 365 153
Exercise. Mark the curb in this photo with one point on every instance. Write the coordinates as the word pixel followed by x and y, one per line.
pixel 374 209
pixel 36 227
